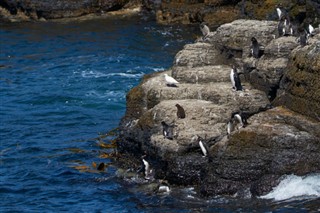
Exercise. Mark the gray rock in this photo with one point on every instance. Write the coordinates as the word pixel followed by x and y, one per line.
pixel 275 142
pixel 266 73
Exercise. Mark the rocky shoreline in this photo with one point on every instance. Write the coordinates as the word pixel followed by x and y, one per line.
pixel 284 139
pixel 35 10
pixel 213 12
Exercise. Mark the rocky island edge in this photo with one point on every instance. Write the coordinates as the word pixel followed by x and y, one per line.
pixel 279 140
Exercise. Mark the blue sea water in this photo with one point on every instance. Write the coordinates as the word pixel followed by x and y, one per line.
pixel 62 88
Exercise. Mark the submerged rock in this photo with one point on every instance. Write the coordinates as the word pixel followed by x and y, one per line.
pixel 276 141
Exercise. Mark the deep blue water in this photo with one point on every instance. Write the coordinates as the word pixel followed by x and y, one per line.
pixel 62 85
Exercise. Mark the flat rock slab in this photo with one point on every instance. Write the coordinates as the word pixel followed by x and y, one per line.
pixel 203 74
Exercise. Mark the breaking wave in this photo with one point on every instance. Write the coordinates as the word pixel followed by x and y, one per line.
pixel 293 186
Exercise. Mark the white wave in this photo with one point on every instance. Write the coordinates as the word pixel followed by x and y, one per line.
pixel 92 74
pixel 108 95
pixel 127 75
pixel 157 69
pixel 295 186
pixel 96 74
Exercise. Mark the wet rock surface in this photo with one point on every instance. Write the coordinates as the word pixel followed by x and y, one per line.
pixel 276 141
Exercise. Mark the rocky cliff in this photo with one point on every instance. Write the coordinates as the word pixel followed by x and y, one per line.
pixel 278 140
pixel 217 12
pixel 214 12
pixel 26 10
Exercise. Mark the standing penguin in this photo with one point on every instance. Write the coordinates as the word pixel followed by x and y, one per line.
pixel 255 48
pixel 287 28
pixel 240 117
pixel 281 27
pixel 148 172
pixel 303 38
pixel 310 30
pixel 205 30
pixel 203 146
pixel 180 111
pixel 230 127
pixel 281 12
pixel 167 130
pixel 235 79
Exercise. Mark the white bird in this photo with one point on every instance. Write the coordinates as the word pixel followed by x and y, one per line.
pixel 170 81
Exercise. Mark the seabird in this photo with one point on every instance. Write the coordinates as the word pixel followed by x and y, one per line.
pixel 147 169
pixel 205 30
pixel 235 79
pixel 287 28
pixel 170 81
pixel 163 187
pixel 310 30
pixel 281 12
pixel 281 27
pixel 180 112
pixel 203 145
pixel 230 127
pixel 303 38
pixel 240 117
pixel 255 48
pixel 167 130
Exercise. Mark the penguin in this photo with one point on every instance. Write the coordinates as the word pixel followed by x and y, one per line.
pixel 167 130
pixel 205 30
pixel 303 38
pixel 203 146
pixel 171 82
pixel 310 31
pixel 255 48
pixel 230 127
pixel 281 27
pixel 281 12
pixel 240 117
pixel 147 169
pixel 163 187
pixel 287 28
pixel 180 111
pixel 235 79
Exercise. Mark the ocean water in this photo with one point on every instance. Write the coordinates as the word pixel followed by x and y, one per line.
pixel 62 88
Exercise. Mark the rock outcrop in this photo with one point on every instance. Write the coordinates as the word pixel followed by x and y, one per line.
pixel 26 10
pixel 276 141
pixel 217 12
pixel 300 86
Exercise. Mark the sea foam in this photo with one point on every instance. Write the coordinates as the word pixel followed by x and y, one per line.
pixel 295 186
